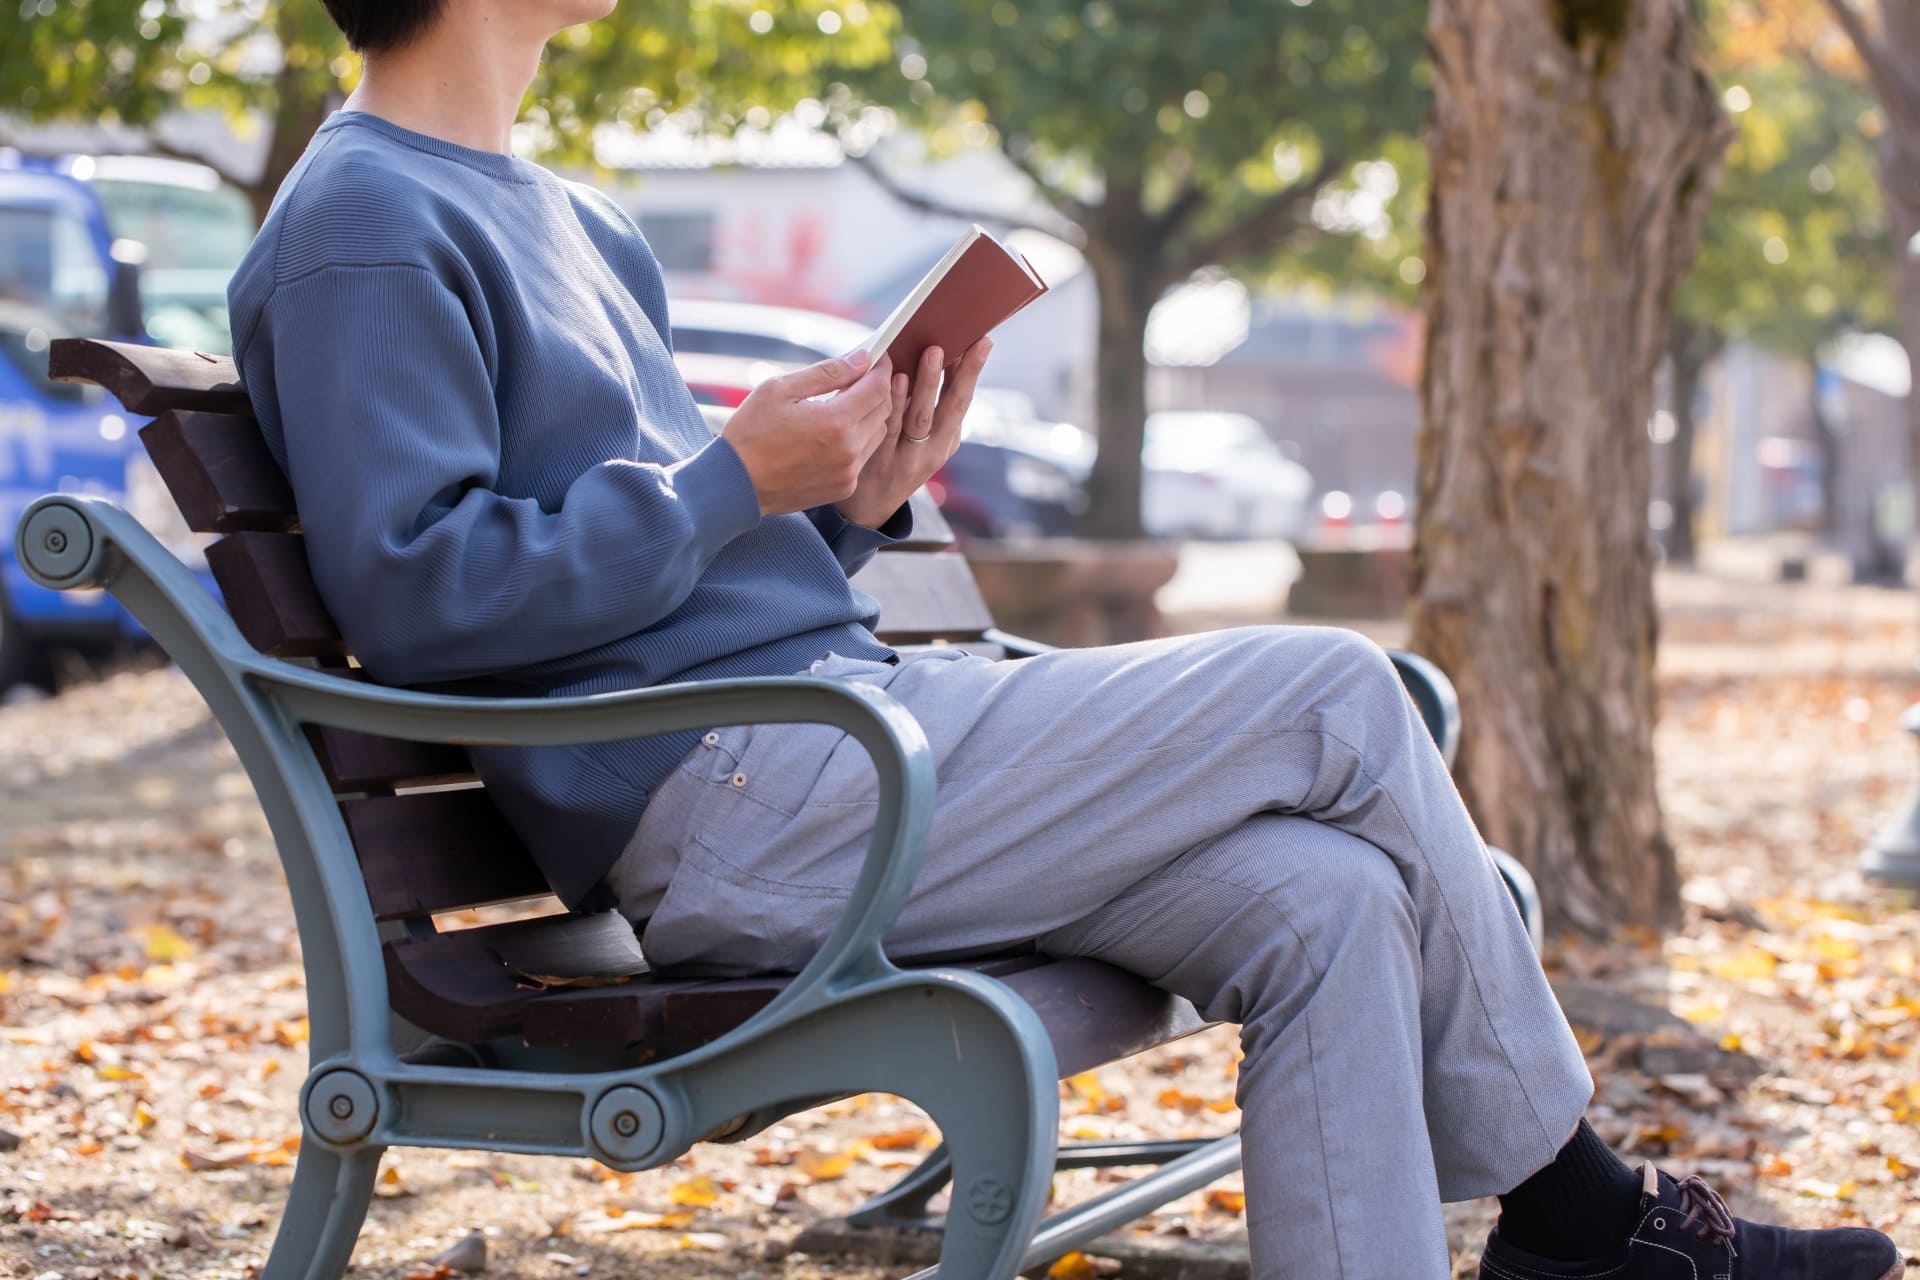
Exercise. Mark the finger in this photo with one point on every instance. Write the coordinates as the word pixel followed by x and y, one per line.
pixel 957 396
pixel 926 394
pixel 874 434
pixel 897 407
pixel 819 379
pixel 852 403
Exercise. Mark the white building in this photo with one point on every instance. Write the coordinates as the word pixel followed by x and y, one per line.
pixel 783 216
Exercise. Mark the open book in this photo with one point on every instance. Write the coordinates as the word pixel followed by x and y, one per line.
pixel 969 293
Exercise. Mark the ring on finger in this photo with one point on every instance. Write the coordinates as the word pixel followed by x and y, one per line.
pixel 916 439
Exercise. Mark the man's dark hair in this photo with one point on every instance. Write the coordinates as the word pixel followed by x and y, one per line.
pixel 375 25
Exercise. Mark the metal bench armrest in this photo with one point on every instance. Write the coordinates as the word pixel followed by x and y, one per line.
pixel 102 546
pixel 1434 695
pixel 1017 646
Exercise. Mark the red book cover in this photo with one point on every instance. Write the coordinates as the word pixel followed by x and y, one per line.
pixel 971 292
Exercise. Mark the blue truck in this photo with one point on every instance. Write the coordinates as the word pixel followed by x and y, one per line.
pixel 130 247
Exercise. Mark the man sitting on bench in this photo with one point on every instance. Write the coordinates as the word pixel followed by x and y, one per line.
pixel 462 363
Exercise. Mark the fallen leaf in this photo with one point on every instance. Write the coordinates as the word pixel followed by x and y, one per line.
pixel 467 1255
pixel 901 1140
pixel 202 1161
pixel 1820 1190
pixel 1749 963
pixel 697 1192
pixel 163 944
pixel 822 1167
pixel 189 1236
pixel 1072 1266
pixel 1223 1201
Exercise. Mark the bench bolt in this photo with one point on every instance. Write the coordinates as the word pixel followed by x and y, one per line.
pixel 55 543
pixel 626 1124
pixel 342 1107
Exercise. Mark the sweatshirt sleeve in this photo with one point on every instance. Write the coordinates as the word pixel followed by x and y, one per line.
pixel 392 443
pixel 855 544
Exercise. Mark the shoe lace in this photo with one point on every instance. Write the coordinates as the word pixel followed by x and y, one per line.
pixel 1704 1207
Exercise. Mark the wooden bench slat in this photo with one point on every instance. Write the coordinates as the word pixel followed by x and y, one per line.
pixel 925 597
pixel 438 851
pixel 219 472
pixel 269 590
pixel 685 1011
pixel 151 380
pixel 467 984
pixel 1093 1012
pixel 362 762
pixel 931 532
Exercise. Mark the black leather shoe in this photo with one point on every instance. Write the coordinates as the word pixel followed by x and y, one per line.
pixel 1685 1233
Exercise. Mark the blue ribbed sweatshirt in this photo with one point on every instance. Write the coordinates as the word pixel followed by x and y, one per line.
pixel 463 364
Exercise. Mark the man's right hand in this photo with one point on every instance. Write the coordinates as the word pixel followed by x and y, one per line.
pixel 803 452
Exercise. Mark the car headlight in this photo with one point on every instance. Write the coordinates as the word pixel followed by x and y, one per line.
pixel 149 502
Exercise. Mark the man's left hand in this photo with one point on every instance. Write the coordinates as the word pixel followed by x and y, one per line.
pixel 923 430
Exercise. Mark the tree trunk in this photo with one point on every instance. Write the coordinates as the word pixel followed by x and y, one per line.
pixel 1826 438
pixel 302 97
pixel 1897 82
pixel 1573 146
pixel 1689 349
pixel 1905 219
pixel 1127 269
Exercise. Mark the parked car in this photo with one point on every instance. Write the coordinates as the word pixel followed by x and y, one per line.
pixel 724 381
pixel 1002 491
pixel 750 331
pixel 128 247
pixel 1219 475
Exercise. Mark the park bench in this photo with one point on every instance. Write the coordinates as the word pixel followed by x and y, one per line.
pixel 549 1035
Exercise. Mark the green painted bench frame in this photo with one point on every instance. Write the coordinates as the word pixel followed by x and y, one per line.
pixel 851 1021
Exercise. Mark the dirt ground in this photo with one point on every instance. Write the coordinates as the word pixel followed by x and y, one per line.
pixel 152 1037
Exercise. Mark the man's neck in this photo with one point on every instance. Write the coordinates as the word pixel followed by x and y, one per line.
pixel 461 81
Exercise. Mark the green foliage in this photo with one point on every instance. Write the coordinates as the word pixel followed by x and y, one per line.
pixel 132 61
pixel 721 63
pixel 1793 250
pixel 1174 135
pixel 1373 240
pixel 1210 106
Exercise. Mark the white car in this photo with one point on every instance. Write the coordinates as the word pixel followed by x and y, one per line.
pixel 1219 475
pixel 751 331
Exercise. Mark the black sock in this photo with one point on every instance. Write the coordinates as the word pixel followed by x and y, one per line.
pixel 1581 1206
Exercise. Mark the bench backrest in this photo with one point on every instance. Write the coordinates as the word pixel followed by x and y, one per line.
pixel 421 851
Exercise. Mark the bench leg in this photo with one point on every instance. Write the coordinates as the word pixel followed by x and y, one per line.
pixel 324 1212
pixel 976 1060
pixel 904 1204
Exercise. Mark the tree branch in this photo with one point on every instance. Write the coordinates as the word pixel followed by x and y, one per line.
pixel 161 147
pixel 1072 208
pixel 1899 91
pixel 1265 224
pixel 155 145
pixel 1180 210
pixel 940 208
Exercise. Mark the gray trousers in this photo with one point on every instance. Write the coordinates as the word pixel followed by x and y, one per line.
pixel 1256 820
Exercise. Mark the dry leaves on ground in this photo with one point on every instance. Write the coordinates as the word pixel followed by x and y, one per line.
pixel 152 1009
